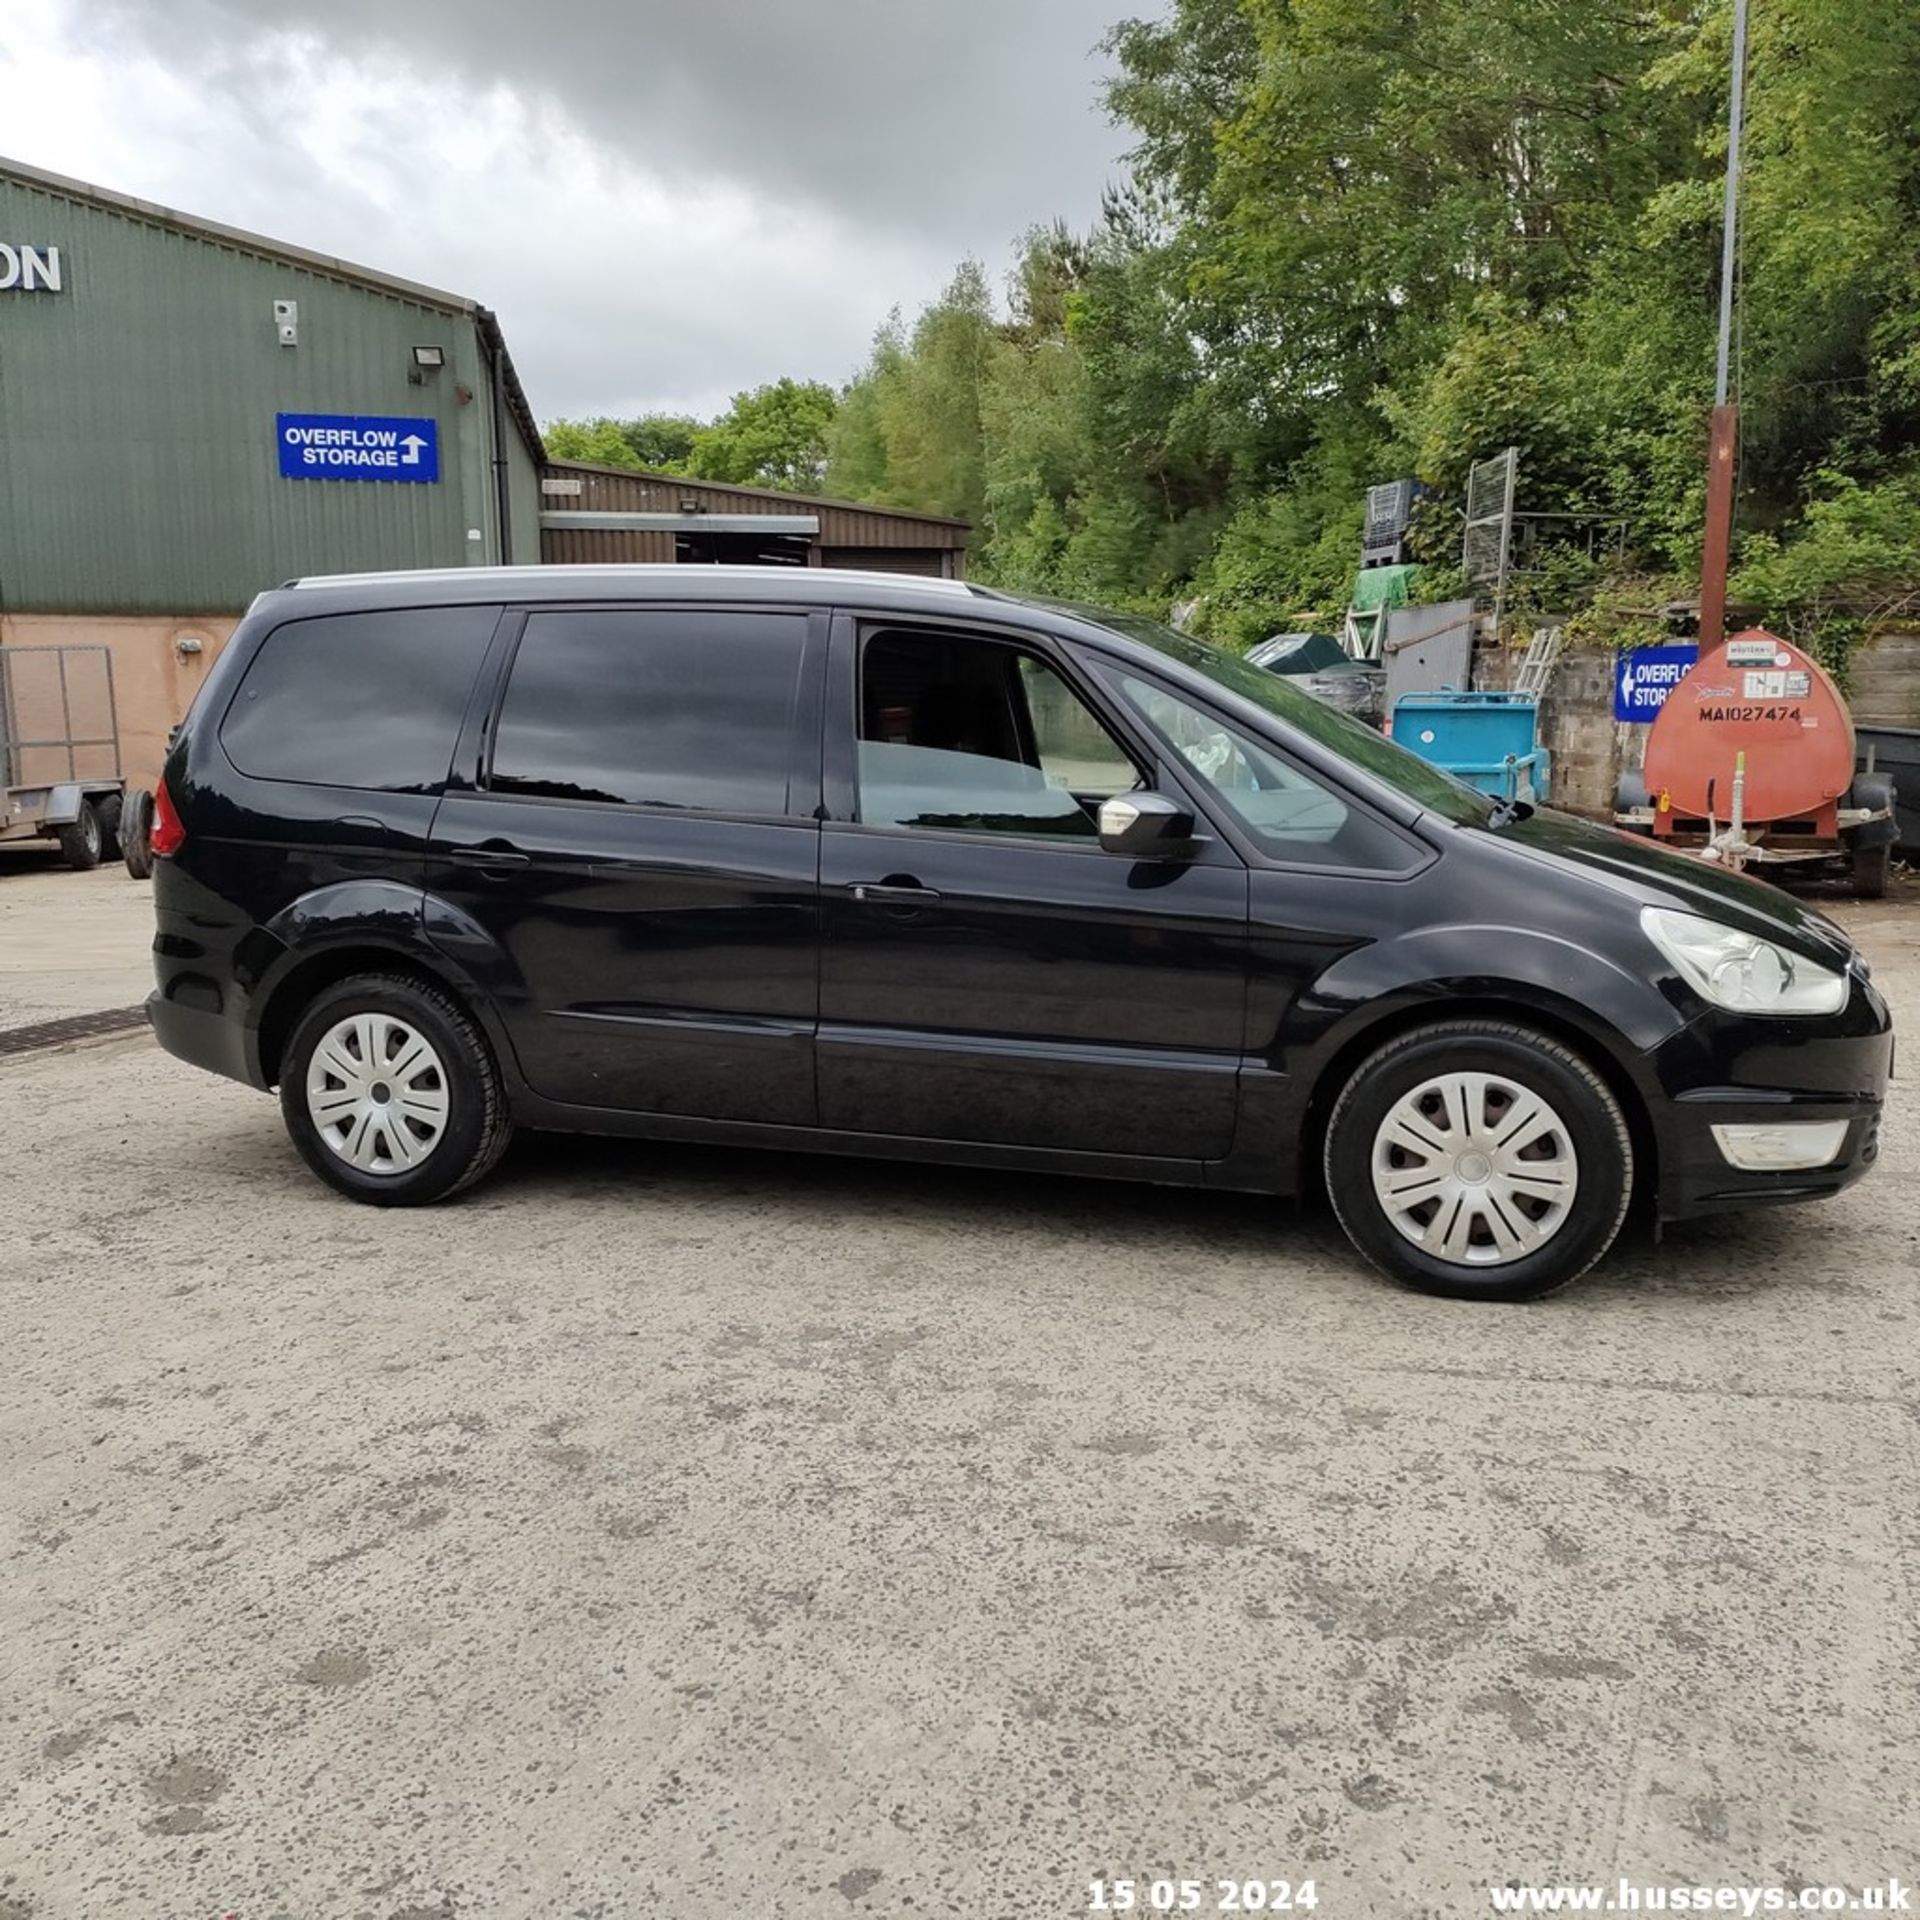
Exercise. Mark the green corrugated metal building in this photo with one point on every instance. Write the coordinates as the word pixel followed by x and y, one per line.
pixel 145 357
pixel 148 363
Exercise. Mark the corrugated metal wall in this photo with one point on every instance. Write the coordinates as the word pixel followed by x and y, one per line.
pixel 904 542
pixel 138 468
pixel 586 547
pixel 523 486
pixel 923 561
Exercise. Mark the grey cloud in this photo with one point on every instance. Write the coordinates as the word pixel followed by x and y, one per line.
pixel 825 162
pixel 962 120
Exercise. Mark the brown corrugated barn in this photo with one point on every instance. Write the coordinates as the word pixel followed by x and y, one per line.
pixel 593 516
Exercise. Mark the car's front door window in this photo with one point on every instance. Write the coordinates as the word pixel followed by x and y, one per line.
pixel 968 735
pixel 1294 815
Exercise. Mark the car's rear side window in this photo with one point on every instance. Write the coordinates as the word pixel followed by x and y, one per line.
pixel 652 707
pixel 370 700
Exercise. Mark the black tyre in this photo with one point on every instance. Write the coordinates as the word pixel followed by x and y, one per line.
pixel 1872 869
pixel 1479 1159
pixel 1873 843
pixel 136 834
pixel 391 1093
pixel 108 807
pixel 83 843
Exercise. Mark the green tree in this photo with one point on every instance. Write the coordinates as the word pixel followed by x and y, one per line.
pixel 1367 238
pixel 911 432
pixel 658 442
pixel 775 436
pixel 661 442
pixel 599 442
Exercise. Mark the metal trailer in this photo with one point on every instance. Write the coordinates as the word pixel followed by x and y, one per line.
pixel 1894 754
pixel 60 776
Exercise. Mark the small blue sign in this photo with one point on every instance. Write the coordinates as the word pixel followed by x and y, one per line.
pixel 1646 676
pixel 356 446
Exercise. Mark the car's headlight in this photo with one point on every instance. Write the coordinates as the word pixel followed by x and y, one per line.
pixel 1741 971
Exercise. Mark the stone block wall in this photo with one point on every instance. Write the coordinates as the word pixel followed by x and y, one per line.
pixel 1884 677
pixel 1591 749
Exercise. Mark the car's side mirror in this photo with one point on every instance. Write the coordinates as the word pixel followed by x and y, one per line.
pixel 1146 826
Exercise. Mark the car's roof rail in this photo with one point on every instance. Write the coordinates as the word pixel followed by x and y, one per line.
pixel 767 577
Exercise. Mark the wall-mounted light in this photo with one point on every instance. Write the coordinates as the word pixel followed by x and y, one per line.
pixel 693 506
pixel 429 356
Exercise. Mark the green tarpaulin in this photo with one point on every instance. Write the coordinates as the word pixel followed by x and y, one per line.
pixel 1376 587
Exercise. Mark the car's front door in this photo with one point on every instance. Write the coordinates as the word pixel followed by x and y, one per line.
pixel 638 854
pixel 988 972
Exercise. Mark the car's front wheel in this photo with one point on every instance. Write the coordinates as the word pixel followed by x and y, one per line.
pixel 391 1093
pixel 1479 1159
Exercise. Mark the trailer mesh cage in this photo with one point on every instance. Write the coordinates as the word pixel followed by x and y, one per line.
pixel 58 720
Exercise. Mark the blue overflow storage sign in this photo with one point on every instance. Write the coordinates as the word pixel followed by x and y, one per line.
pixel 356 446
pixel 1645 678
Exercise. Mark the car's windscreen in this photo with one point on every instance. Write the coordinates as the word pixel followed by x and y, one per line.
pixel 1422 782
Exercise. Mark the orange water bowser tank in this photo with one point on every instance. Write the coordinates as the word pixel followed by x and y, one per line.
pixel 1761 696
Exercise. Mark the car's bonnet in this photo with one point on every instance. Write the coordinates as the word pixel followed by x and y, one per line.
pixel 1634 868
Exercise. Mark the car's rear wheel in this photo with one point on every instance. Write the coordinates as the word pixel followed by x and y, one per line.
pixel 1479 1159
pixel 391 1093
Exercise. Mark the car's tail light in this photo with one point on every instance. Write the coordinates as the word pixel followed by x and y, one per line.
pixel 168 835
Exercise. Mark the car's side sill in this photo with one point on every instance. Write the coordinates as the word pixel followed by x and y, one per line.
pixel 532 1111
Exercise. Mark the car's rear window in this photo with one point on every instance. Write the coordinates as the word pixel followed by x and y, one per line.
pixel 369 700
pixel 654 707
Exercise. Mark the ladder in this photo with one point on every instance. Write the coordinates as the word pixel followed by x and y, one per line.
pixel 1537 665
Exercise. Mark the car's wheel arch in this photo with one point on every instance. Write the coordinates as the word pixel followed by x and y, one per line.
pixel 360 927
pixel 1610 1053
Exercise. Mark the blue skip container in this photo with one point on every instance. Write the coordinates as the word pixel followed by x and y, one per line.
pixel 1489 740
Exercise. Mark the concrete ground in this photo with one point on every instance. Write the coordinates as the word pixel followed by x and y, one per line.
pixel 70 942
pixel 694 1534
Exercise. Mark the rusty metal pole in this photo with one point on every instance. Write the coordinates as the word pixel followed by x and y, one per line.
pixel 1714 555
pixel 1717 547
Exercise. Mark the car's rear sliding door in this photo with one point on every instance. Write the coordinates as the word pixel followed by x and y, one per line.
pixel 639 857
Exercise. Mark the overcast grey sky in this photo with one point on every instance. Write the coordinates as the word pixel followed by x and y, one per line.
pixel 664 202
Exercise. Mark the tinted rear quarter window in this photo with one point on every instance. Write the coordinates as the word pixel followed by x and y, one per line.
pixel 369 700
pixel 657 708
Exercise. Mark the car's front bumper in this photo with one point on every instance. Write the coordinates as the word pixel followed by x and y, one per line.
pixel 1728 1070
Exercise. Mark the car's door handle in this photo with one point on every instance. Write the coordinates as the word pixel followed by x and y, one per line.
pixel 885 894
pixel 495 863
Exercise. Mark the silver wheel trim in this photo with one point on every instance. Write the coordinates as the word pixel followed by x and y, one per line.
pixel 1475 1169
pixel 377 1093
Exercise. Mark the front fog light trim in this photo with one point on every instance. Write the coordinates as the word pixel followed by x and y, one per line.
pixel 1793 1146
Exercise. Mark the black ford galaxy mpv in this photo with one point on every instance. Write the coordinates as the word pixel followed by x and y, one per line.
pixel 886 866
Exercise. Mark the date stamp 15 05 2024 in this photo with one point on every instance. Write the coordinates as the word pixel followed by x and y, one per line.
pixel 1209 1895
